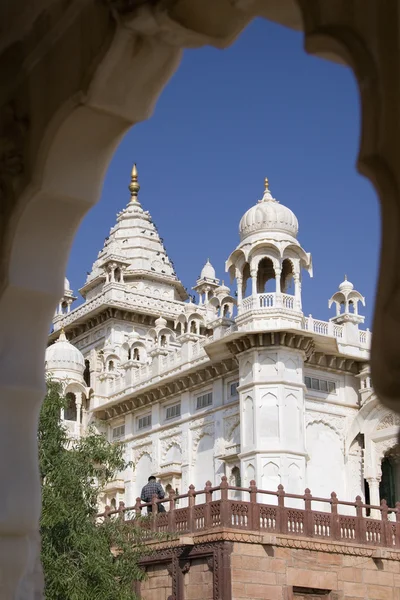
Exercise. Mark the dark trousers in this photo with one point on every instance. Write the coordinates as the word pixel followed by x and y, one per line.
pixel 161 508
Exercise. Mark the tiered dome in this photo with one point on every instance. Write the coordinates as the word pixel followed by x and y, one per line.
pixel 268 215
pixel 63 356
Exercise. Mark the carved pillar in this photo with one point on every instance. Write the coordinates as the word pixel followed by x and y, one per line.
pixel 113 266
pixel 253 274
pixel 78 400
pixel 239 282
pixel 374 497
pixel 278 280
pixel 297 291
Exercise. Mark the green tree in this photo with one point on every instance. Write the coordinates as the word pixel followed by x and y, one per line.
pixel 78 554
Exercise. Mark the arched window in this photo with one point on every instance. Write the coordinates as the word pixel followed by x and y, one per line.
pixel 287 283
pixel 163 341
pixel 70 412
pixel 117 274
pixel 235 478
pixel 86 373
pixel 265 274
pixel 111 365
pixel 226 310
pixel 129 354
pixel 113 503
pixel 136 355
pixel 193 327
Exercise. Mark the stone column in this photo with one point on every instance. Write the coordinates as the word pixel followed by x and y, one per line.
pixel 78 400
pixel 278 281
pixel 113 266
pixel 297 291
pixel 374 497
pixel 253 274
pixel 239 282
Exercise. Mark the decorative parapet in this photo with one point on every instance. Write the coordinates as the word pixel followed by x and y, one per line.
pixel 286 514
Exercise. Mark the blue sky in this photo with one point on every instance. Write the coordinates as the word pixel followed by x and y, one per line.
pixel 226 120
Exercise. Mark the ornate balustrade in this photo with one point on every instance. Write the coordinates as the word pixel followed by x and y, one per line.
pixel 256 510
pixel 267 301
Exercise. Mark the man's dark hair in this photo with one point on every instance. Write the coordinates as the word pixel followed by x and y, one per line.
pixel 151 478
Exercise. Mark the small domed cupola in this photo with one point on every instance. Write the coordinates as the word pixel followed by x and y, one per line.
pixel 268 262
pixel 346 301
pixel 64 360
pixel 207 283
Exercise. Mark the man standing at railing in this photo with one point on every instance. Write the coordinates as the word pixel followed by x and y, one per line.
pixel 152 488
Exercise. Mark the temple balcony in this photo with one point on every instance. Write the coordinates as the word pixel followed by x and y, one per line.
pixel 226 508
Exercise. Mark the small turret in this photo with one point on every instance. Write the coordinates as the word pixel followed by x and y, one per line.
pixel 207 283
pixel 346 300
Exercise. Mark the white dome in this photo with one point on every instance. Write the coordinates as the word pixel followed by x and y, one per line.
pixel 160 323
pixel 223 290
pixel 346 286
pixel 268 215
pixel 63 356
pixel 208 271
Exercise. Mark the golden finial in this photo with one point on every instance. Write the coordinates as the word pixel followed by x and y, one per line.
pixel 134 186
pixel 266 184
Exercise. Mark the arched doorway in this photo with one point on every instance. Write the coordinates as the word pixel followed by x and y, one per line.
pixel 389 486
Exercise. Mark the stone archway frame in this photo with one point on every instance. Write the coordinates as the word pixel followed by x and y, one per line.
pixel 54 185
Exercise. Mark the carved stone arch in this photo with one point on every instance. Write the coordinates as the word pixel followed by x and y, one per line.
pixel 94 118
pixel 168 444
pixel 390 420
pixel 264 250
pixel 75 387
pixel 140 451
pixel 328 423
pixel 198 434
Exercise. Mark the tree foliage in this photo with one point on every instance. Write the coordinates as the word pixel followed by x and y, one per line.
pixel 78 553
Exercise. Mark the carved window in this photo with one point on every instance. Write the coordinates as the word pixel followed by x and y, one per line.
pixel 204 400
pixel 320 385
pixel 233 389
pixel 173 411
pixel 118 432
pixel 144 422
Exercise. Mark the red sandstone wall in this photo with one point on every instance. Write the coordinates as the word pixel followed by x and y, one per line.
pixel 270 573
pixel 157 586
pixel 198 581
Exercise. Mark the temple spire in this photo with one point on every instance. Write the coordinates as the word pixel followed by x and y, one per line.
pixel 134 186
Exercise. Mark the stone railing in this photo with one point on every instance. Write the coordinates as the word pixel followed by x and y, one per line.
pixel 121 384
pixel 269 300
pixel 332 329
pixel 252 509
pixel 127 299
